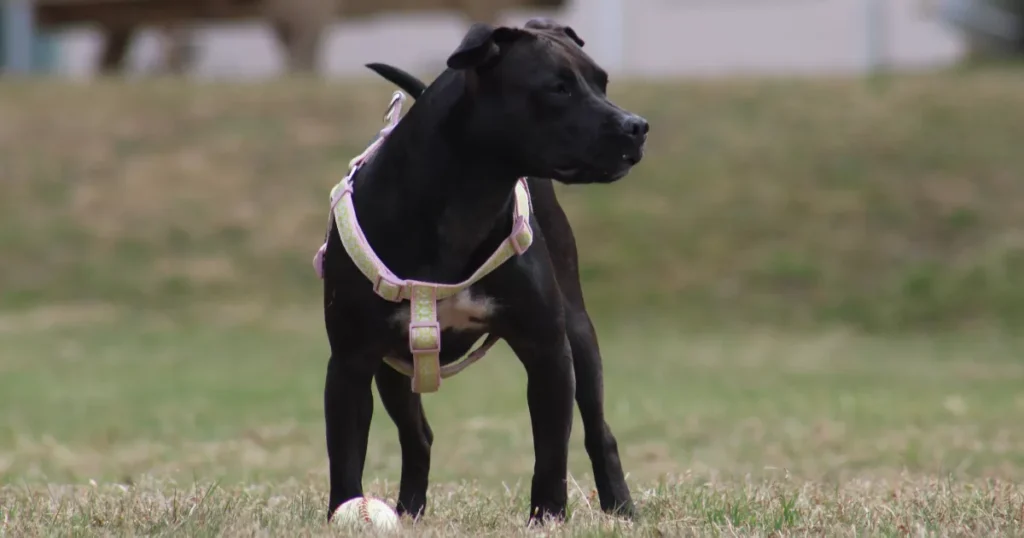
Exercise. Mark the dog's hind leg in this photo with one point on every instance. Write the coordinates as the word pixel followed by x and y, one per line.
pixel 597 435
pixel 406 410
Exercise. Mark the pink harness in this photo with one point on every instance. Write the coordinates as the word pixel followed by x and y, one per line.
pixel 424 329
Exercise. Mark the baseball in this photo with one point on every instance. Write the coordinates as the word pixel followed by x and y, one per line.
pixel 367 513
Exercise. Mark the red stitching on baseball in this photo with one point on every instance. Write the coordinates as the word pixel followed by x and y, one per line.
pixel 364 510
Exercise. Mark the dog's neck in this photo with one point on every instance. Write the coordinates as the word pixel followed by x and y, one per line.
pixel 430 206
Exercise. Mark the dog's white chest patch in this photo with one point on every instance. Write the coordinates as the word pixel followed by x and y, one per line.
pixel 462 312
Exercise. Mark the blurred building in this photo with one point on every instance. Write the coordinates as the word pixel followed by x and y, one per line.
pixel 658 38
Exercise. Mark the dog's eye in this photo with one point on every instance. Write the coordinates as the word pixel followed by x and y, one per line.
pixel 561 89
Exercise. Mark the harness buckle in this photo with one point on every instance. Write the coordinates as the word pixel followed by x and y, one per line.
pixel 424 337
pixel 522 235
pixel 388 289
pixel 394 107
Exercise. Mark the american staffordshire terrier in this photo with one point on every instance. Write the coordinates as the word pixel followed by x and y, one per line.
pixel 459 235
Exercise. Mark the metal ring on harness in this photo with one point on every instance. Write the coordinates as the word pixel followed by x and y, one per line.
pixel 448 370
pixel 395 106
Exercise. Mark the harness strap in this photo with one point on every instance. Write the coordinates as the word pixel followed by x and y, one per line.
pixel 424 329
pixel 447 370
pixel 390 287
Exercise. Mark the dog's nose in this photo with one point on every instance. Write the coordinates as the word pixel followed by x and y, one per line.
pixel 635 126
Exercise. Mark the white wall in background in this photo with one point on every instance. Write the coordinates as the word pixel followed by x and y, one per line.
pixel 661 38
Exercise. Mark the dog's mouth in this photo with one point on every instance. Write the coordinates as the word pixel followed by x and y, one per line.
pixel 567 173
pixel 601 170
pixel 590 175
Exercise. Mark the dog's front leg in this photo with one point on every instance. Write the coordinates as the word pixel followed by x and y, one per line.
pixel 348 409
pixel 406 410
pixel 550 387
pixel 598 438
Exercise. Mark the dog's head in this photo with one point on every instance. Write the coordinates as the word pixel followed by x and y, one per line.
pixel 540 101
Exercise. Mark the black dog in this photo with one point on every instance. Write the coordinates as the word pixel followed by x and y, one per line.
pixel 434 201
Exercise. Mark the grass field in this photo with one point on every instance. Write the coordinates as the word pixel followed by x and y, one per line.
pixel 888 206
pixel 217 428
pixel 807 297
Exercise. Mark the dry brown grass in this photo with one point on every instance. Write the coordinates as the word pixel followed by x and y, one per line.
pixel 215 428
pixel 679 506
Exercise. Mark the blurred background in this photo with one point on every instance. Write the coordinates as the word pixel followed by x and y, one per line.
pixel 259 38
pixel 813 160
pixel 824 243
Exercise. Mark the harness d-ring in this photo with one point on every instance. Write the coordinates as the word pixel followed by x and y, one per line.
pixel 394 108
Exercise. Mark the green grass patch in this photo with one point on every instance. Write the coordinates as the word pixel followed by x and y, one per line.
pixel 162 351
pixel 784 202
pixel 216 428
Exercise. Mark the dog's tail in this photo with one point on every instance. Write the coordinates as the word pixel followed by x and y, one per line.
pixel 407 82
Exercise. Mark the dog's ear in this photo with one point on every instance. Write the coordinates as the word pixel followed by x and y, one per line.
pixel 552 26
pixel 481 45
pixel 573 35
